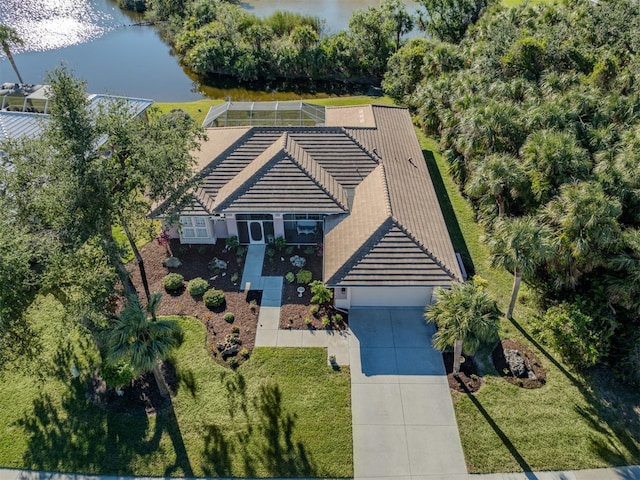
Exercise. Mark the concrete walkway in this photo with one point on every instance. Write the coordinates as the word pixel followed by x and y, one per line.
pixel 404 426
pixel 268 333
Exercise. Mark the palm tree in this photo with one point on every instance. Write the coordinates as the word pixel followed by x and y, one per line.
pixel 499 178
pixel 8 37
pixel 519 245
pixel 553 158
pixel 584 219
pixel 140 341
pixel 466 316
pixel 624 288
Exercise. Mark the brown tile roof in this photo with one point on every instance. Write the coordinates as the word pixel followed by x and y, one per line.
pixel 350 116
pixel 414 221
pixel 283 178
pixel 394 232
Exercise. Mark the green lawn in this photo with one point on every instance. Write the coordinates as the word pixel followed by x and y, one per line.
pixel 198 109
pixel 573 422
pixel 283 413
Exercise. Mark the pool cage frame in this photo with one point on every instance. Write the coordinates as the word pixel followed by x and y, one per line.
pixel 265 114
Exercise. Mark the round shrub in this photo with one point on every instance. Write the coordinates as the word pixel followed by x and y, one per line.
pixel 213 298
pixel 229 317
pixel 197 286
pixel 173 282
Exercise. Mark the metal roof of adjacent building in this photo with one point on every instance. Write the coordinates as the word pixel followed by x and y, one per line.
pixel 19 124
pixel 364 169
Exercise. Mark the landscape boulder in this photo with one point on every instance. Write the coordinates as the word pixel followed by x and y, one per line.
pixel 172 262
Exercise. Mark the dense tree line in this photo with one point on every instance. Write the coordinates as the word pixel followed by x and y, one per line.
pixel 62 193
pixel 537 109
pixel 215 37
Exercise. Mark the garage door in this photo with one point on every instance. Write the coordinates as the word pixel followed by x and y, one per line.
pixel 390 296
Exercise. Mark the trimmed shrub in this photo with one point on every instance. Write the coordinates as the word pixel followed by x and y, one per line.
pixel 213 298
pixel 235 330
pixel 197 286
pixel 232 243
pixel 307 321
pixel 280 243
pixel 229 317
pixel 304 276
pixel 326 322
pixel 321 294
pixel 233 363
pixel 314 310
pixel 172 282
pixel 338 318
pixel 116 375
pixel 290 277
pixel 245 353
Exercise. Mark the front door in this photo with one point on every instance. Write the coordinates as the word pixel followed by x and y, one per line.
pixel 256 232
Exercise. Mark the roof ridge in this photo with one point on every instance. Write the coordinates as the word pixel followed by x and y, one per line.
pixel 231 189
pixel 385 188
pixel 291 142
pixel 428 252
pixel 223 155
pixel 357 142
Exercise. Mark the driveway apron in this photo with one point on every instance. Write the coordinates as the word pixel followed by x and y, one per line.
pixel 404 426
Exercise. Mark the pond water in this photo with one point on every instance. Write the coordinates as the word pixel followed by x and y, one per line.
pixel 104 47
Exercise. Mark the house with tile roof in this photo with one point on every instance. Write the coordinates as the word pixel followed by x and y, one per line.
pixel 357 184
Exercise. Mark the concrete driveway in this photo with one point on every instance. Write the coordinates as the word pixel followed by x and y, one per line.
pixel 404 425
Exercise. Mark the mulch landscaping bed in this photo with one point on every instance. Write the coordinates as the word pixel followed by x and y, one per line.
pixel 532 373
pixel 195 263
pixel 141 398
pixel 469 375
pixel 296 309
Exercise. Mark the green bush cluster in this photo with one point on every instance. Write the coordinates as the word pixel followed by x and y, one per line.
pixel 303 277
pixel 197 286
pixel 172 282
pixel 213 298
pixel 321 294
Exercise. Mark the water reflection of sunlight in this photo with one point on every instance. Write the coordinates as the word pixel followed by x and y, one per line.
pixel 52 24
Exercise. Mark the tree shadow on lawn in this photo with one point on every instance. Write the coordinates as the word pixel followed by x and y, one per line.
pixel 457 238
pixel 526 468
pixel 263 436
pixel 72 434
pixel 620 421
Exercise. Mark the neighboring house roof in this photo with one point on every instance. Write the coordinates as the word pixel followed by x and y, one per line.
pixel 364 169
pixel 21 124
pixel 16 124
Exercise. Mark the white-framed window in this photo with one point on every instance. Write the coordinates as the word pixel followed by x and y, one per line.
pixel 194 227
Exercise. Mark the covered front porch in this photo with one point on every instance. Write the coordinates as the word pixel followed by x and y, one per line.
pixel 297 229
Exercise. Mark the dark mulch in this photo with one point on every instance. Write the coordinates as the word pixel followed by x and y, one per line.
pixel 532 363
pixel 140 398
pixel 195 263
pixel 469 375
pixel 295 309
